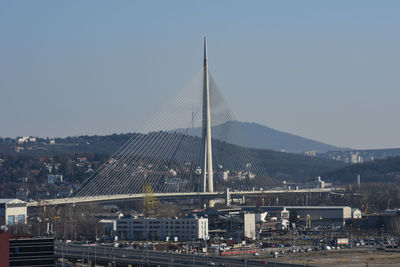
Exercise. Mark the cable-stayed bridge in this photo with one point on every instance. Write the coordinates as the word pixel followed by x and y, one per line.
pixel 176 155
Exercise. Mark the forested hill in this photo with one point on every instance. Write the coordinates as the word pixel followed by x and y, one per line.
pixel 383 170
pixel 279 165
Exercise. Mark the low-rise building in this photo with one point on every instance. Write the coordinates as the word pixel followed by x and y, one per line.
pixel 110 226
pixel 356 213
pixel 12 211
pixel 188 228
pixel 322 216
pixel 54 178
pixel 42 192
pixel 270 218
pixel 22 193
pixel 231 223
pixel 64 191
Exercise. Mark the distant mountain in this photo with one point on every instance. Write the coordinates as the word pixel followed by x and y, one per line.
pixel 377 171
pixel 258 136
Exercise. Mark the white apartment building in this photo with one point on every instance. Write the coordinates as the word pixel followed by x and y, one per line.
pixel 189 228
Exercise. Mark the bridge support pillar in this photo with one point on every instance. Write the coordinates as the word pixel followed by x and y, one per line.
pixel 228 199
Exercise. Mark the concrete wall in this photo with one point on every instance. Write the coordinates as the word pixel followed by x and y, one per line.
pixel 249 227
pixel 346 212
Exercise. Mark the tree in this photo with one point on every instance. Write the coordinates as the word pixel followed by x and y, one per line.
pixel 150 203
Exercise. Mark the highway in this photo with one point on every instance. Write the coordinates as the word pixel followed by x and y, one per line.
pixel 125 256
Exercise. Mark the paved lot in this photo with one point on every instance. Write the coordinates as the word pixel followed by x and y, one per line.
pixel 346 257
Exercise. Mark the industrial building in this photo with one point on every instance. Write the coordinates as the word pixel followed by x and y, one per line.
pixel 12 211
pixel 25 251
pixel 188 228
pixel 230 223
pixel 321 216
pixel 311 216
pixel 32 252
pixel 4 246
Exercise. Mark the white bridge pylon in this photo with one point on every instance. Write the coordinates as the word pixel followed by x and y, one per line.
pixel 177 152
pixel 206 161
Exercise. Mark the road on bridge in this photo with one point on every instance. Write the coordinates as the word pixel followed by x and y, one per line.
pixel 202 195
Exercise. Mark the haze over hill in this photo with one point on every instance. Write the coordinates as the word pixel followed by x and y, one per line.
pixel 377 171
pixel 258 136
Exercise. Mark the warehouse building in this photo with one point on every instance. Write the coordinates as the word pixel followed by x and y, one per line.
pixel 322 216
pixel 312 216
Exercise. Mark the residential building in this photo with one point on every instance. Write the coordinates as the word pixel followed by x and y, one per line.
pixel 54 178
pixel 64 191
pixel 310 153
pixel 356 214
pixel 22 193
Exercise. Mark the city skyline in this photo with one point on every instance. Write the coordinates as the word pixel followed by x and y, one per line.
pixel 324 71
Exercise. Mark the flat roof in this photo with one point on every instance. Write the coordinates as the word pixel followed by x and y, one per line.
pixel 316 207
pixel 292 207
pixel 8 200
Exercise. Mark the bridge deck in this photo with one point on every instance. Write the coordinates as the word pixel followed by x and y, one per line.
pixel 202 195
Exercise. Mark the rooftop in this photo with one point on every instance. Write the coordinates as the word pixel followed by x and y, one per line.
pixel 8 200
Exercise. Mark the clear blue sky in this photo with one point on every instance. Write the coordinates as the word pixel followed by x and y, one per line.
pixel 326 70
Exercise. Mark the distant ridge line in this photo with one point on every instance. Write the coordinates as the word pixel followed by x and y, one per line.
pixel 254 135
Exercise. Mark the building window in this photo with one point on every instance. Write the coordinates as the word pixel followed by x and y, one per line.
pixel 11 219
pixel 21 218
